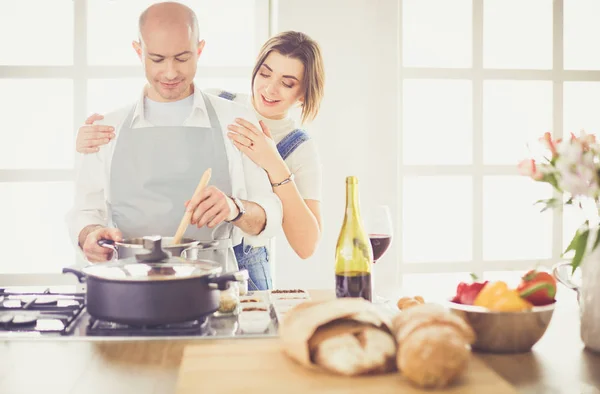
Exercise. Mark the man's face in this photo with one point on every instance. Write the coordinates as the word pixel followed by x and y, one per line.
pixel 169 55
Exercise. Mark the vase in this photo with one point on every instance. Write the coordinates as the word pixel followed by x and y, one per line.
pixel 588 290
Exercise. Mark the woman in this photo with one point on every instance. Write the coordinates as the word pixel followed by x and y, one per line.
pixel 288 73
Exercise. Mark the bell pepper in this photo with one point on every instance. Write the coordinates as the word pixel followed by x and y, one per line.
pixel 466 292
pixel 498 297
pixel 537 287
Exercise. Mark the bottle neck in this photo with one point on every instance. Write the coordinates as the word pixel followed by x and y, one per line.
pixel 352 209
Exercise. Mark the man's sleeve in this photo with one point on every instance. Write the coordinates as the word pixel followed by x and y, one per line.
pixel 89 205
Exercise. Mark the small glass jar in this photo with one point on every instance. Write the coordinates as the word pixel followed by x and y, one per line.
pixel 230 298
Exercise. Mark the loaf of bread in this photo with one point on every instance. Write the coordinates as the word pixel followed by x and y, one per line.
pixel 346 336
pixel 433 345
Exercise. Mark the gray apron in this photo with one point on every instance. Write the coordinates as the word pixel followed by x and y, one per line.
pixel 155 170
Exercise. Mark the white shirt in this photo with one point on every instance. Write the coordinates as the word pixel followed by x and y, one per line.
pixel 168 114
pixel 304 162
pixel 249 181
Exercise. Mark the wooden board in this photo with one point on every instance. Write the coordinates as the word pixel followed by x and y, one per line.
pixel 259 366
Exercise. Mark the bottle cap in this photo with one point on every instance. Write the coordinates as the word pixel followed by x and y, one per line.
pixel 351 180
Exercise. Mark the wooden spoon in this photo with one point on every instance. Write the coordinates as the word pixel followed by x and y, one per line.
pixel 187 217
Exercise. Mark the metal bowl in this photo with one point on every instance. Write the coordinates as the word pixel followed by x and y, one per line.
pixel 505 332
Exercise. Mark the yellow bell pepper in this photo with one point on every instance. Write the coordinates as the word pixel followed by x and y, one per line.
pixel 496 296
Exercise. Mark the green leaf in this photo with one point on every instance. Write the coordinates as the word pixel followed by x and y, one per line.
pixel 580 250
pixel 597 241
pixel 474 277
pixel 574 241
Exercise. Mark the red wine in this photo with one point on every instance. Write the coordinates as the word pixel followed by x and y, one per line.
pixel 380 243
pixel 353 284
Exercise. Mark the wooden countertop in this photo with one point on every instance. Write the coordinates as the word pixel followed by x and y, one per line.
pixel 557 364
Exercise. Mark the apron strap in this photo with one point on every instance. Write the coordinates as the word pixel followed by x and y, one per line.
pixel 290 142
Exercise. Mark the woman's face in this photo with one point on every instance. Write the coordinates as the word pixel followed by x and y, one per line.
pixel 278 85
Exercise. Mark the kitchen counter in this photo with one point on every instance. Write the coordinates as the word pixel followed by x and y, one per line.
pixel 557 364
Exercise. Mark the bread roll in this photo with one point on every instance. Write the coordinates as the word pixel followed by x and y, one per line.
pixel 407 302
pixel 433 345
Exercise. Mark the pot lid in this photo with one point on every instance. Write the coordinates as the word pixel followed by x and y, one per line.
pixel 154 264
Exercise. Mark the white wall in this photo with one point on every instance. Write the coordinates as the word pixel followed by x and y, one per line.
pixel 357 127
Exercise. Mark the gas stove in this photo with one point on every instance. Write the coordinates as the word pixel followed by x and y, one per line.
pixel 51 313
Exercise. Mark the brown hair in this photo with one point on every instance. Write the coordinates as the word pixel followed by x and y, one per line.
pixel 299 46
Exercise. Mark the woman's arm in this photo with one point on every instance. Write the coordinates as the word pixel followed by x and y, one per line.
pixel 301 218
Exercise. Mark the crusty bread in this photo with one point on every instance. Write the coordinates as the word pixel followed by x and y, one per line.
pixel 343 336
pixel 433 345
pixel 369 350
pixel 433 356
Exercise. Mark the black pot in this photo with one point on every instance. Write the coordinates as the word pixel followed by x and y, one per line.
pixel 154 288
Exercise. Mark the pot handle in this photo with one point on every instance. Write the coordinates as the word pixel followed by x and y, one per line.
pixel 222 281
pixel 559 272
pixel 109 244
pixel 80 275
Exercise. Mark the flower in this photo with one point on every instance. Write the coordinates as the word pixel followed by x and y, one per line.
pixel 573 169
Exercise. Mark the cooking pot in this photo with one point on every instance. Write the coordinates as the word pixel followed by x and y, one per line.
pixel 154 288
pixel 131 246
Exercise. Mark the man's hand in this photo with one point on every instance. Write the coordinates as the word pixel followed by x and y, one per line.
pixel 90 137
pixel 211 208
pixel 94 252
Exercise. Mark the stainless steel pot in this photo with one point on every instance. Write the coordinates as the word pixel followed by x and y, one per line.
pixel 154 288
pixel 131 246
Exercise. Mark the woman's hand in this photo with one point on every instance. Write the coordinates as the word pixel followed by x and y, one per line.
pixel 256 144
pixel 90 137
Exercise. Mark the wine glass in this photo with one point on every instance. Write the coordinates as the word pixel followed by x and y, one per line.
pixel 378 224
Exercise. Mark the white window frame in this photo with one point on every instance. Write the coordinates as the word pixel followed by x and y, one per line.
pixel 80 72
pixel 477 75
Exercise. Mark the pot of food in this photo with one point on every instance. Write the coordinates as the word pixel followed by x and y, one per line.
pixel 154 288
pixel 131 246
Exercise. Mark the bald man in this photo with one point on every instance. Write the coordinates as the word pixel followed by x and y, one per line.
pixel 138 184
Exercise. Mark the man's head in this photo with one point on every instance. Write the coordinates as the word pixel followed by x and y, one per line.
pixel 169 48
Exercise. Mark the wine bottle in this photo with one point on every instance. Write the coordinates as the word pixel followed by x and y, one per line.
pixel 353 253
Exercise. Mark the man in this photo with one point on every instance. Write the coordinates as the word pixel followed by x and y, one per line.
pixel 138 183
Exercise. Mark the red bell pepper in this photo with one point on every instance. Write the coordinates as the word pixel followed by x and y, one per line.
pixel 467 292
pixel 537 287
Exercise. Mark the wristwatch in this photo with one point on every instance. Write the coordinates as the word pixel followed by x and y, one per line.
pixel 240 207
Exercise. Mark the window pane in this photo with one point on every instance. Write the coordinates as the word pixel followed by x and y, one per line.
pixel 437 218
pixel 33 225
pixel 37 131
pixel 433 287
pixel 436 115
pixel 437 39
pixel 106 95
pixel 581 107
pixel 513 228
pixel 515 113
pixel 581 32
pixel 228 26
pixel 517 34
pixel 40 38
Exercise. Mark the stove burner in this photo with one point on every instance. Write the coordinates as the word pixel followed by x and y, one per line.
pixel 39 312
pixel 23 320
pixel 5 319
pixel 198 327
pixel 46 301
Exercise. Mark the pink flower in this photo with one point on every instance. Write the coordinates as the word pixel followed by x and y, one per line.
pixel 547 141
pixel 528 168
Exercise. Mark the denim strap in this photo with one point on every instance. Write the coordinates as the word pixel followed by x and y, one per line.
pixel 290 142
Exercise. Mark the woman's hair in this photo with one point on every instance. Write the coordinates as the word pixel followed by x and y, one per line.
pixel 299 46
